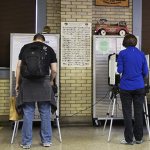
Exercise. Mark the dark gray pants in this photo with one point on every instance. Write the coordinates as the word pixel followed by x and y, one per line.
pixel 137 96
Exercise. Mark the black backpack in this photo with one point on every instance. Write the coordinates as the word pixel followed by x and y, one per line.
pixel 33 62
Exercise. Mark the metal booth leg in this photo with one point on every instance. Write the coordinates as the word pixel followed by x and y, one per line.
pixel 17 128
pixel 112 118
pixel 57 119
pixel 13 132
pixel 107 116
pixel 147 116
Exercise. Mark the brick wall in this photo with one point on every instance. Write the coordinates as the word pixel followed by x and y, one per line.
pixel 53 15
pixel 112 14
pixel 75 82
pixel 76 91
pixel 4 96
pixel 76 10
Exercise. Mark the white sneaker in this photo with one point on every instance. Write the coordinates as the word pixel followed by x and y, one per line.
pixel 25 146
pixel 127 143
pixel 47 144
pixel 139 142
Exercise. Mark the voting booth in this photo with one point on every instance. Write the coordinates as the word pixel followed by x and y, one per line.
pixel 105 80
pixel 17 41
pixel 103 46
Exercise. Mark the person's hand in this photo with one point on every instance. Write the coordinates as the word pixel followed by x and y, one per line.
pixel 17 88
pixel 52 83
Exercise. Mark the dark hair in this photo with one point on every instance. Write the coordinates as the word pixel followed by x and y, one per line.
pixel 39 37
pixel 129 40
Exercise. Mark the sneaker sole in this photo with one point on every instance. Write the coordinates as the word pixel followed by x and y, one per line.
pixel 127 143
pixel 25 147
pixel 47 145
pixel 130 143
pixel 138 143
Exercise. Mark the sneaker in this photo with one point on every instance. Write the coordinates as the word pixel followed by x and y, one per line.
pixel 47 144
pixel 25 146
pixel 127 143
pixel 139 142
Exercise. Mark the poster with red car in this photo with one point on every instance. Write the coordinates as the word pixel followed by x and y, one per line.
pixel 124 3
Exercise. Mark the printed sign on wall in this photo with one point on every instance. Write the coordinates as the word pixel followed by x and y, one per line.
pixel 113 2
pixel 75 44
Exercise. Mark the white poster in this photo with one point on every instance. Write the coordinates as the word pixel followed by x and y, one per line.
pixel 120 47
pixel 18 43
pixel 75 44
pixel 20 40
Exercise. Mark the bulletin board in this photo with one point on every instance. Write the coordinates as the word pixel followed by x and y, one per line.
pixel 17 41
pixel 103 46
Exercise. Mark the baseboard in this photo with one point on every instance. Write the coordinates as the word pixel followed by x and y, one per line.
pixel 4 120
pixel 76 120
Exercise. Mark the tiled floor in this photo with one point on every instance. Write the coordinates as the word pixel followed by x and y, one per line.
pixel 75 138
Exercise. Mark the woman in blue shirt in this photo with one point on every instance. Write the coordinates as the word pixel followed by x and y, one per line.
pixel 133 66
